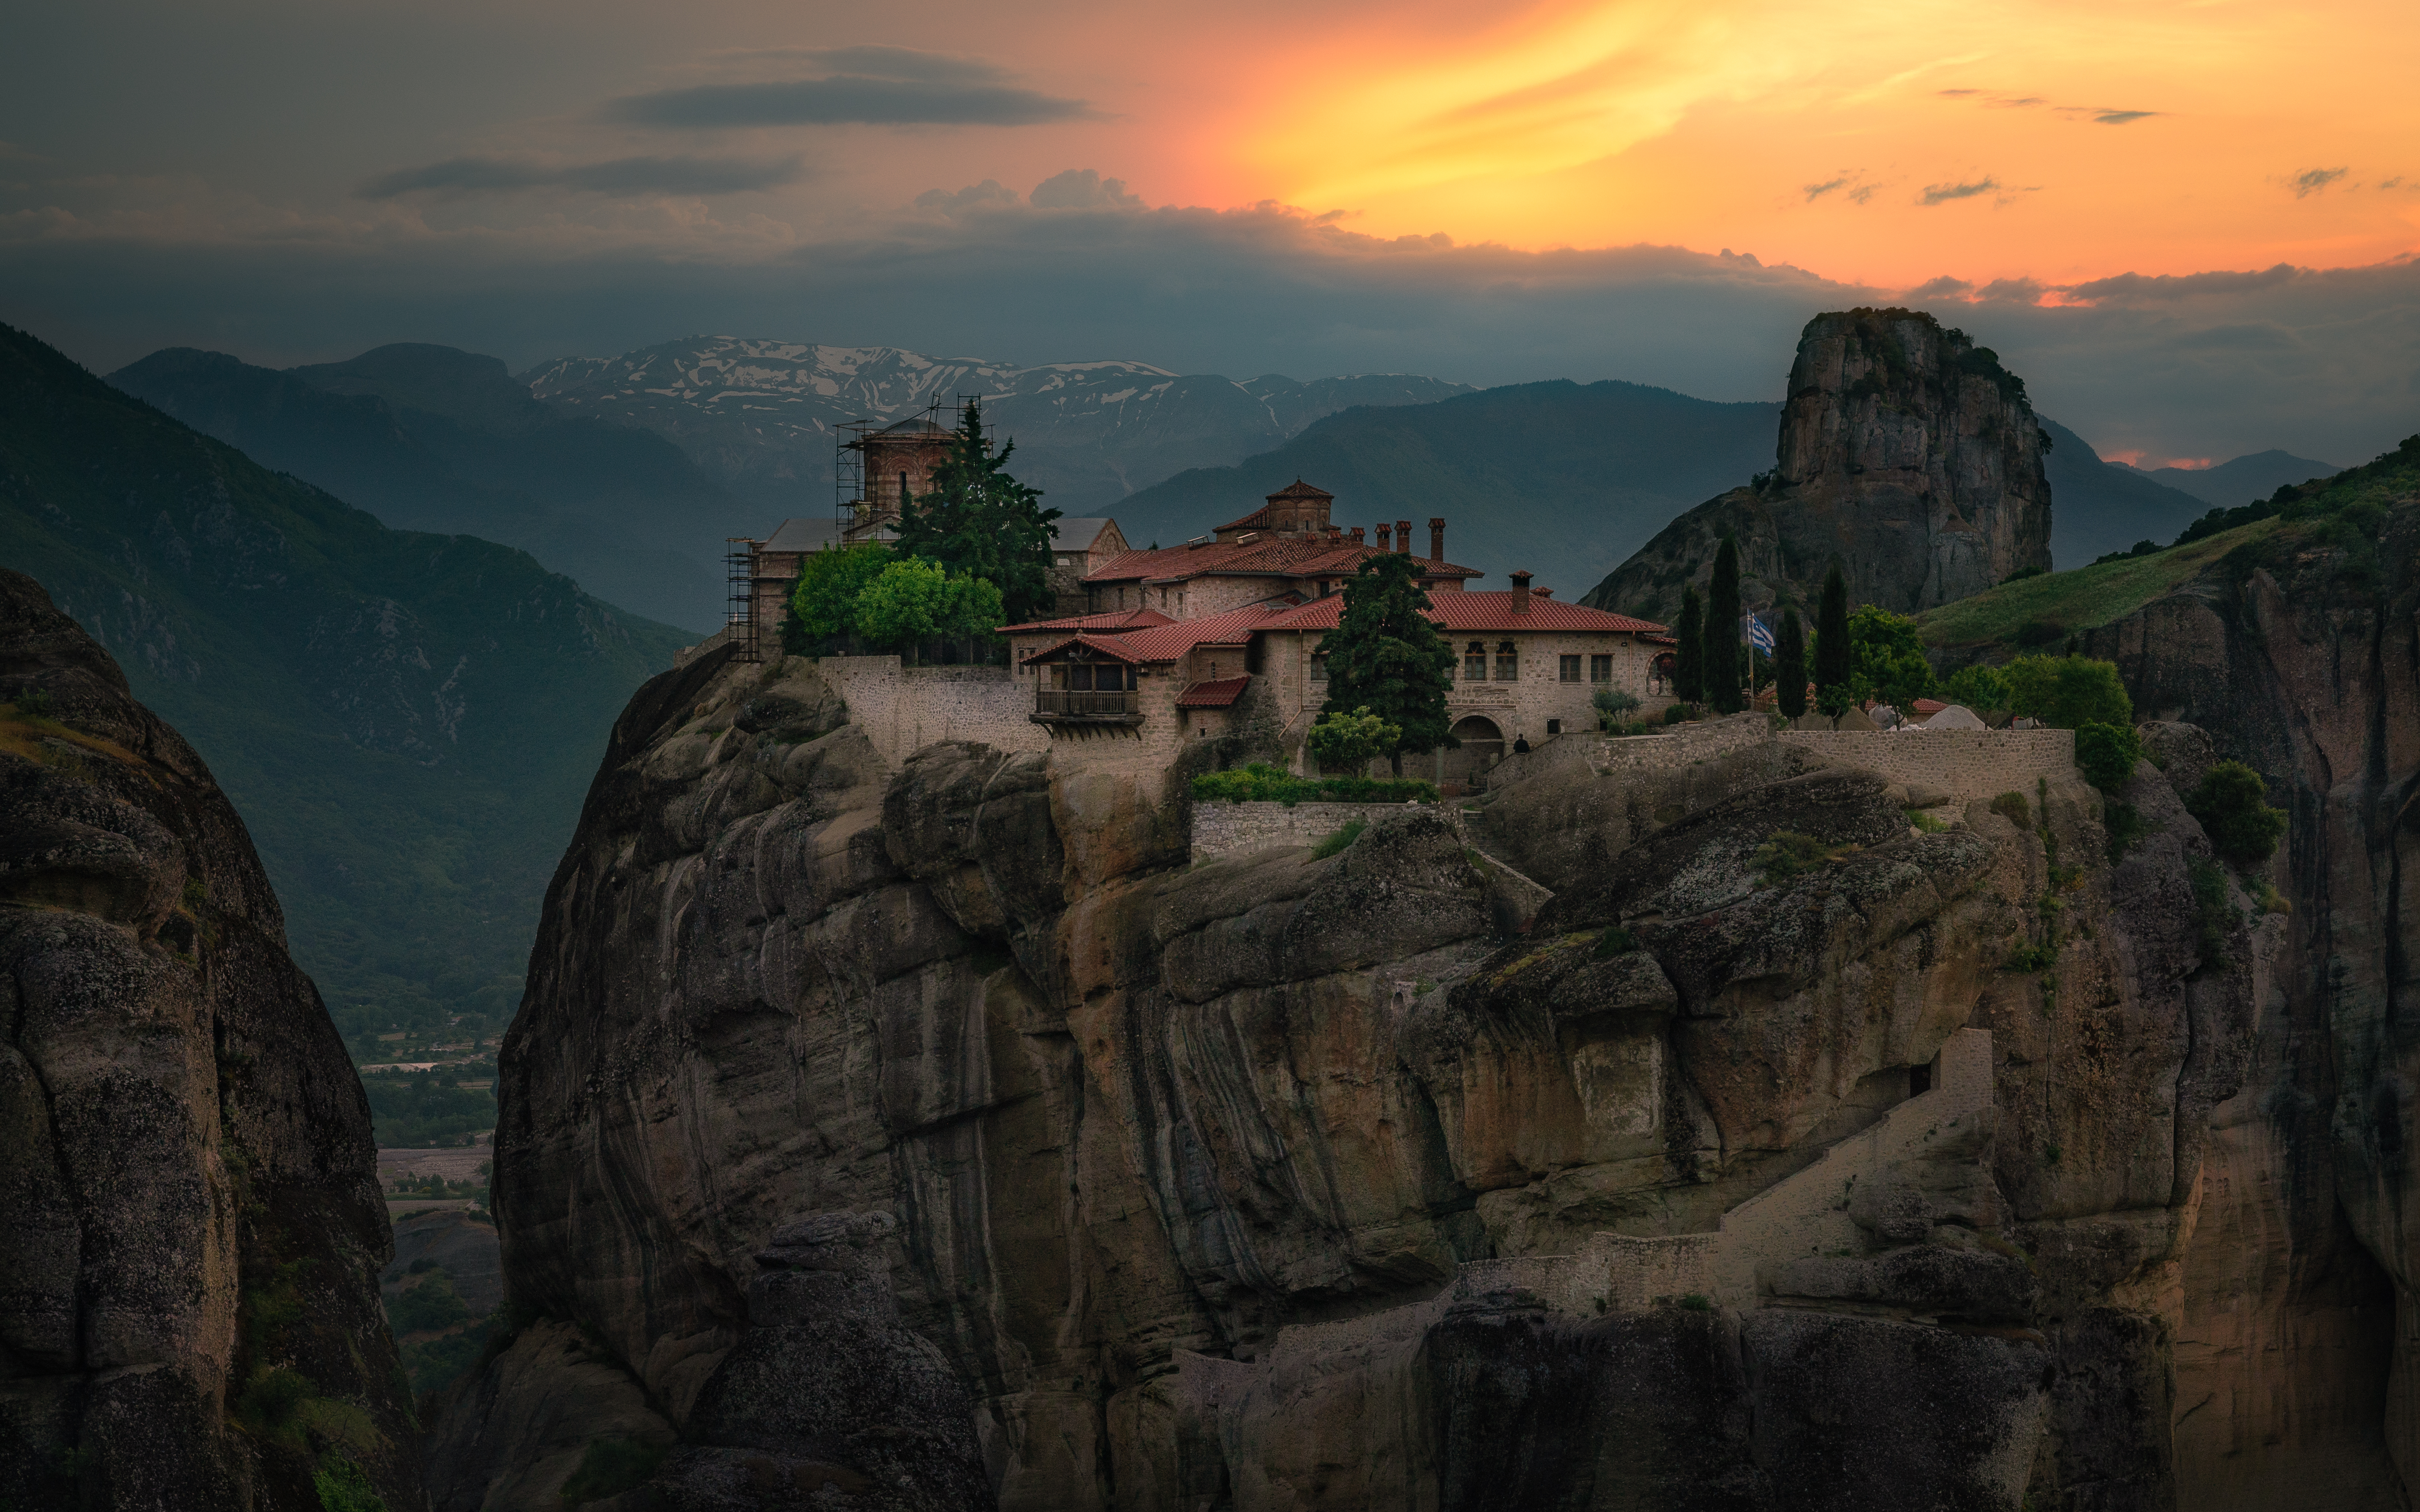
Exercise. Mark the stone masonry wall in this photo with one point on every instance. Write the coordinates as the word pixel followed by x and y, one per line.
pixel 1224 828
pixel 902 709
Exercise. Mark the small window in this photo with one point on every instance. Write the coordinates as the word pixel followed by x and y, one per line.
pixel 1600 669
pixel 1553 727
pixel 1474 663
pixel 1318 669
pixel 1569 669
pixel 1508 662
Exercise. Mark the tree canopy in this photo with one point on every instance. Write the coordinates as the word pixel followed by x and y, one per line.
pixel 2068 692
pixel 1789 665
pixel 1387 657
pixel 978 521
pixel 824 603
pixel 913 600
pixel 1689 660
pixel 1887 657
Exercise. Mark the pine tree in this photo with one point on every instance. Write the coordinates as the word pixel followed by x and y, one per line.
pixel 1689 665
pixel 1835 657
pixel 1790 664
pixel 978 521
pixel 1722 632
pixel 1386 657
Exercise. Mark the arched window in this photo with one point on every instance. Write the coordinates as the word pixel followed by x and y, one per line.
pixel 1508 662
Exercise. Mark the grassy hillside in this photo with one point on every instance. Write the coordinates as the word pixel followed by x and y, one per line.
pixel 2343 510
pixel 407 722
pixel 1561 479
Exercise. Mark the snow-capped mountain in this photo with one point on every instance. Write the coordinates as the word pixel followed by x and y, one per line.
pixel 762 416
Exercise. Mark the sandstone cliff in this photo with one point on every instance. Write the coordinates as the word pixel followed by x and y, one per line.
pixel 1908 454
pixel 190 1224
pixel 910 1140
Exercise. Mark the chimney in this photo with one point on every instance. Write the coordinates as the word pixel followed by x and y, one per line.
pixel 1403 536
pixel 1520 592
pixel 1436 540
pixel 1544 593
pixel 1382 537
pixel 1335 531
pixel 1356 535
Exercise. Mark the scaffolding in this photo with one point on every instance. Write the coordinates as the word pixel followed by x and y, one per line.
pixel 739 608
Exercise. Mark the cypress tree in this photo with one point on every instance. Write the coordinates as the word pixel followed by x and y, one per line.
pixel 1722 632
pixel 1835 658
pixel 1689 665
pixel 979 522
pixel 1386 658
pixel 1790 664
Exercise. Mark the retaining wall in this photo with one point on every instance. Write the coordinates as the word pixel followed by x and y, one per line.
pixel 1221 827
pixel 1970 764
pixel 902 709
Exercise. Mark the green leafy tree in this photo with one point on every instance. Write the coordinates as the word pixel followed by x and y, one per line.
pixel 2232 803
pixel 1386 657
pixel 914 600
pixel 1889 656
pixel 1789 665
pixel 1352 740
pixel 1689 662
pixel 978 521
pixel 1977 687
pixel 2069 692
pixel 1835 658
pixel 824 603
pixel 1721 657
pixel 2106 753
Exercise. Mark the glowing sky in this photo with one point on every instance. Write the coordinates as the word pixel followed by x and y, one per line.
pixel 2162 206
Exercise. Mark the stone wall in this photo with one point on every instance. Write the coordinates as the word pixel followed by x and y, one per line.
pixel 902 709
pixel 1969 764
pixel 1221 827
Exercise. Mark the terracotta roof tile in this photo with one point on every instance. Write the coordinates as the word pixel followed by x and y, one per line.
pixel 1281 555
pixel 1120 619
pixel 1488 612
pixel 1219 694
pixel 1172 638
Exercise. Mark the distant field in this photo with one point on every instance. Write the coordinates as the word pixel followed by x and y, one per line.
pixel 2062 602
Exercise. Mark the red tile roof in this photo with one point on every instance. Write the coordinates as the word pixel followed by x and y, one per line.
pixel 1283 555
pixel 1930 706
pixel 1168 641
pixel 1491 612
pixel 1213 695
pixel 1109 622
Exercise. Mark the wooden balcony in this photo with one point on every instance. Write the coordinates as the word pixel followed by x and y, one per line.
pixel 1059 705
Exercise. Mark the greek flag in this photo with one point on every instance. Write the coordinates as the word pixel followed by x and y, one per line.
pixel 1758 635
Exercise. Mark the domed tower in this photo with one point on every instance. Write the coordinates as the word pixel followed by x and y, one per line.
pixel 894 464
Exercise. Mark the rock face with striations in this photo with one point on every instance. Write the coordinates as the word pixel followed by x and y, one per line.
pixel 916 1138
pixel 1908 454
pixel 191 1229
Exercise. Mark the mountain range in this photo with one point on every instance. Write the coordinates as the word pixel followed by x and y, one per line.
pixel 2242 479
pixel 432 438
pixel 407 721
pixel 760 417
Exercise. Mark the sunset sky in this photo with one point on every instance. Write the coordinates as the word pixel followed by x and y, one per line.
pixel 2189 222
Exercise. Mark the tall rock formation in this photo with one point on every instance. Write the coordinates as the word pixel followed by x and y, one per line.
pixel 191 1229
pixel 1908 454
pixel 912 1137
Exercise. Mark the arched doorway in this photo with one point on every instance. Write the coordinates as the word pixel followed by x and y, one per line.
pixel 1482 747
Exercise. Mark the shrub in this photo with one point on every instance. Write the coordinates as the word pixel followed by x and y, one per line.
pixel 2127 828
pixel 1925 823
pixel 428 1306
pixel 2217 915
pixel 1697 1302
pixel 1263 783
pixel 1675 713
pixel 2013 808
pixel 1615 941
pixel 1787 853
pixel 2231 802
pixel 35 703
pixel 2022 573
pixel 2107 755
pixel 1341 838
pixel 1611 704
pixel 344 1487
pixel 2029 958
pixel 1351 740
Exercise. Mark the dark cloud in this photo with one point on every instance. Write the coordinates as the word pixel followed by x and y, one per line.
pixel 2312 180
pixel 1816 192
pixel 617 176
pixel 2140 288
pixel 1943 193
pixel 1957 94
pixel 1083 189
pixel 1943 287
pixel 974 198
pixel 2122 117
pixel 850 98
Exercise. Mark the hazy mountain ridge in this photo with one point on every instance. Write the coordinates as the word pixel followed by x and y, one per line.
pixel 2241 480
pixel 405 720
pixel 428 437
pixel 2100 506
pixel 760 416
